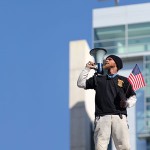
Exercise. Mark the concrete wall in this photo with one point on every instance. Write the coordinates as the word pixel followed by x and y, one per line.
pixel 80 121
pixel 121 15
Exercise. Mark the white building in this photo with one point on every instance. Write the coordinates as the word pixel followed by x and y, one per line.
pixel 124 31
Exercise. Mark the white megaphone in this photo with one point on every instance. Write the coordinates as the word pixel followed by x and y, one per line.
pixel 98 54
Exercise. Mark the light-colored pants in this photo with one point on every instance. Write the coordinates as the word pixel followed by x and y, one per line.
pixel 111 125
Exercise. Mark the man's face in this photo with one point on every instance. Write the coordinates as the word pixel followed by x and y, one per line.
pixel 109 63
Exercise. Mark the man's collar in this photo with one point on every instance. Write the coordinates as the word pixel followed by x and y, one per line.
pixel 111 75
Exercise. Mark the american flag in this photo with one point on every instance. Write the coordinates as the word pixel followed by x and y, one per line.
pixel 136 78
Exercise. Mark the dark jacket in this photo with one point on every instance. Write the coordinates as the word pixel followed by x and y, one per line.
pixel 109 93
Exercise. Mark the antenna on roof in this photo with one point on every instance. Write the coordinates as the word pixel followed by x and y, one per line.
pixel 116 2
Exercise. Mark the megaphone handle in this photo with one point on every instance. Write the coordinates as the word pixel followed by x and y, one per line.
pixel 99 68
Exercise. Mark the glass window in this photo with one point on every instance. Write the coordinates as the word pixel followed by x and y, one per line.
pixel 148 111
pixel 111 38
pixel 148 144
pixel 147 65
pixel 148 123
pixel 110 43
pixel 148 114
pixel 147 91
pixel 147 69
pixel 147 58
pixel 136 48
pixel 148 99
pixel 140 124
pixel 110 50
pixel 147 79
pixel 148 107
pixel 140 40
pixel 139 30
pixel 115 39
pixel 109 33
pixel 139 37
pixel 139 44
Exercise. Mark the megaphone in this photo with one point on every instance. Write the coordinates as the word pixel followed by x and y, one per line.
pixel 98 54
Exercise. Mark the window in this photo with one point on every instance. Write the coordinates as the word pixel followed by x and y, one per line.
pixel 124 38
pixel 139 37
pixel 111 38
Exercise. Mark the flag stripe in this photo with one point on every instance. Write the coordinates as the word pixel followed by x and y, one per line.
pixel 136 78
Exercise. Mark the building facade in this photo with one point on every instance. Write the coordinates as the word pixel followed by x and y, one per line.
pixel 124 31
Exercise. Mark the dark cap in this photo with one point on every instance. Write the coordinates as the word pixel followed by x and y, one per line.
pixel 117 60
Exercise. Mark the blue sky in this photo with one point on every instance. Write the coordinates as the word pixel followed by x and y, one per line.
pixel 34 69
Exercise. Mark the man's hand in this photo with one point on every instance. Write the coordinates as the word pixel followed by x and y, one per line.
pixel 90 65
pixel 123 104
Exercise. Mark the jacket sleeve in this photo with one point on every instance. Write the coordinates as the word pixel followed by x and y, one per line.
pixel 131 101
pixel 81 82
pixel 131 95
pixel 84 82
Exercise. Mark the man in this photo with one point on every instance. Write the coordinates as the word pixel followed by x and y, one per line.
pixel 113 94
